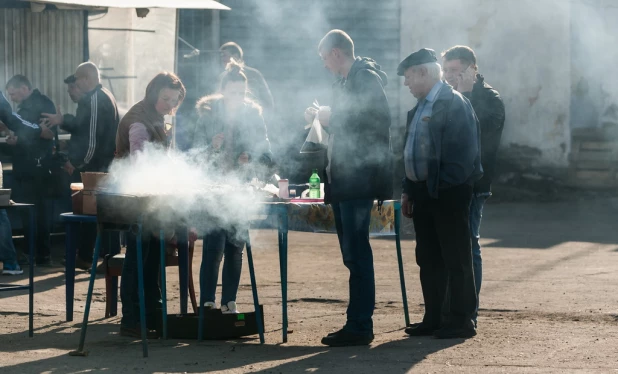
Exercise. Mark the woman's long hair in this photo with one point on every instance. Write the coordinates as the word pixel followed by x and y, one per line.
pixel 159 82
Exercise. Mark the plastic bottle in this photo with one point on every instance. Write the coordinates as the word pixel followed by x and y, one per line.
pixel 314 185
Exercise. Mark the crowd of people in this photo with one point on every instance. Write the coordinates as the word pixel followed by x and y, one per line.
pixel 451 141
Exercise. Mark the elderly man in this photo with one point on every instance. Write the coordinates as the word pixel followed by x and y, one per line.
pixel 358 172
pixel 442 161
pixel 461 72
pixel 93 138
pixel 31 178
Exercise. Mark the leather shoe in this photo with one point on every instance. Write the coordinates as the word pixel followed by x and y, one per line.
pixel 343 338
pixel 421 329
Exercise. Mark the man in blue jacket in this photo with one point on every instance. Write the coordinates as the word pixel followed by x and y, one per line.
pixel 442 162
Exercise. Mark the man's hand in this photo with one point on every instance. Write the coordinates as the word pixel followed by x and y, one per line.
pixel 465 80
pixel 46 133
pixel 11 140
pixel 69 168
pixel 243 158
pixel 217 141
pixel 52 119
pixel 310 114
pixel 406 206
pixel 3 127
pixel 324 115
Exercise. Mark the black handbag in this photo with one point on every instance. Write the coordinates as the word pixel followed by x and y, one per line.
pixel 52 171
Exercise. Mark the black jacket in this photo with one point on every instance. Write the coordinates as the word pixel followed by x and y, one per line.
pixel 30 150
pixel 28 132
pixel 361 162
pixel 489 109
pixel 93 131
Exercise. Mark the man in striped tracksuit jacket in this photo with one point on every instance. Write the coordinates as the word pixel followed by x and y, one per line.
pixel 93 138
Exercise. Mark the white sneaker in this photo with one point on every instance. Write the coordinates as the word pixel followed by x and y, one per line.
pixel 230 308
pixel 209 305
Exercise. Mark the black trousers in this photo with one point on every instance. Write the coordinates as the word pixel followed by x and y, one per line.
pixel 30 190
pixel 444 252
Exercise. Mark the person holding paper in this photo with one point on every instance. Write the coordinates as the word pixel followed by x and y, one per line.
pixel 358 171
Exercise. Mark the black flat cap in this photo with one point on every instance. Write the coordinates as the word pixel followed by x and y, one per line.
pixel 422 56
pixel 70 79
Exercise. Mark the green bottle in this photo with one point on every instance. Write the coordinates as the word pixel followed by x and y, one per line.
pixel 314 185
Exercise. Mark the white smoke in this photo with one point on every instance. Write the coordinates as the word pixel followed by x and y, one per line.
pixel 186 187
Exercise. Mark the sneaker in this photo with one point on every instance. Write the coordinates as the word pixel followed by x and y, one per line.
pixel 229 308
pixel 12 269
pixel 464 331
pixel 343 338
pixel 136 332
pixel 210 305
pixel 421 329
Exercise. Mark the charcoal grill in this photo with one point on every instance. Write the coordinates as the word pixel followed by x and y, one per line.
pixel 121 210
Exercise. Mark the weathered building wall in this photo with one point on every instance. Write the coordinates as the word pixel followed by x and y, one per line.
pixel 523 50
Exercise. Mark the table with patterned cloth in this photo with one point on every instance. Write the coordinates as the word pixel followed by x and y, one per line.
pixel 318 217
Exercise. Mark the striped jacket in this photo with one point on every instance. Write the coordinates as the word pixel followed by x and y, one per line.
pixel 93 131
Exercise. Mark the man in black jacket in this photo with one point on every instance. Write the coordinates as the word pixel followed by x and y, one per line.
pixel 93 138
pixel 461 72
pixel 31 180
pixel 359 171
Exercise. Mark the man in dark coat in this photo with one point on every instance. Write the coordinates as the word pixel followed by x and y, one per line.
pixel 93 139
pixel 358 172
pixel 31 151
pixel 461 72
pixel 442 161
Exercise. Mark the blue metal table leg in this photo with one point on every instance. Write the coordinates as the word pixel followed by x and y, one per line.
pixel 115 249
pixel 402 278
pixel 182 237
pixel 163 284
pixel 31 233
pixel 256 302
pixel 283 267
pixel 140 289
pixel 93 275
pixel 70 253
pixel 200 331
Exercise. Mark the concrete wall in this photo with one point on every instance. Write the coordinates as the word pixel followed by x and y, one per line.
pixel 523 50
pixel 130 59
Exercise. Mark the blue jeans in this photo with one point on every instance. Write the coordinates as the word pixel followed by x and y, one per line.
pixel 352 222
pixel 7 249
pixel 216 244
pixel 476 213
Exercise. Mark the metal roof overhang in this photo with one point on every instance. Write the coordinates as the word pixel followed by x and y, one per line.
pixel 174 4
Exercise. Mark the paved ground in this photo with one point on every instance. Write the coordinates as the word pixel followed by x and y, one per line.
pixel 549 304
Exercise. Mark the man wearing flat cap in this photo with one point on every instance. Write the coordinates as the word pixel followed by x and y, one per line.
pixel 442 162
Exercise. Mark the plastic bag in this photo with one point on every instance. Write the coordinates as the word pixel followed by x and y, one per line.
pixel 317 139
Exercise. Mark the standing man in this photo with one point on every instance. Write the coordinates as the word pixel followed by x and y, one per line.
pixel 359 171
pixel 461 72
pixel 93 139
pixel 31 180
pixel 442 161
pixel 258 88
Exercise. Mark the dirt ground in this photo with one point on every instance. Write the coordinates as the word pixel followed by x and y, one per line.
pixel 549 304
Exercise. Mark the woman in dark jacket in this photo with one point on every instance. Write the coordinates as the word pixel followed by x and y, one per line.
pixel 231 135
pixel 144 123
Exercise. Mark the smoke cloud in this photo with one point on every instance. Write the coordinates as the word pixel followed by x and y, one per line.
pixel 186 186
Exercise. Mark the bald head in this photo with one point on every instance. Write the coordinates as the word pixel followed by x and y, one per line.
pixel 87 76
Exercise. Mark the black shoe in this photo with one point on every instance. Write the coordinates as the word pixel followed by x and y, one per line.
pixel 44 261
pixel 22 258
pixel 464 331
pixel 343 338
pixel 421 329
pixel 136 332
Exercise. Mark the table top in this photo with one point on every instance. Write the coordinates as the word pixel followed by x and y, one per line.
pixel 16 206
pixel 70 217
